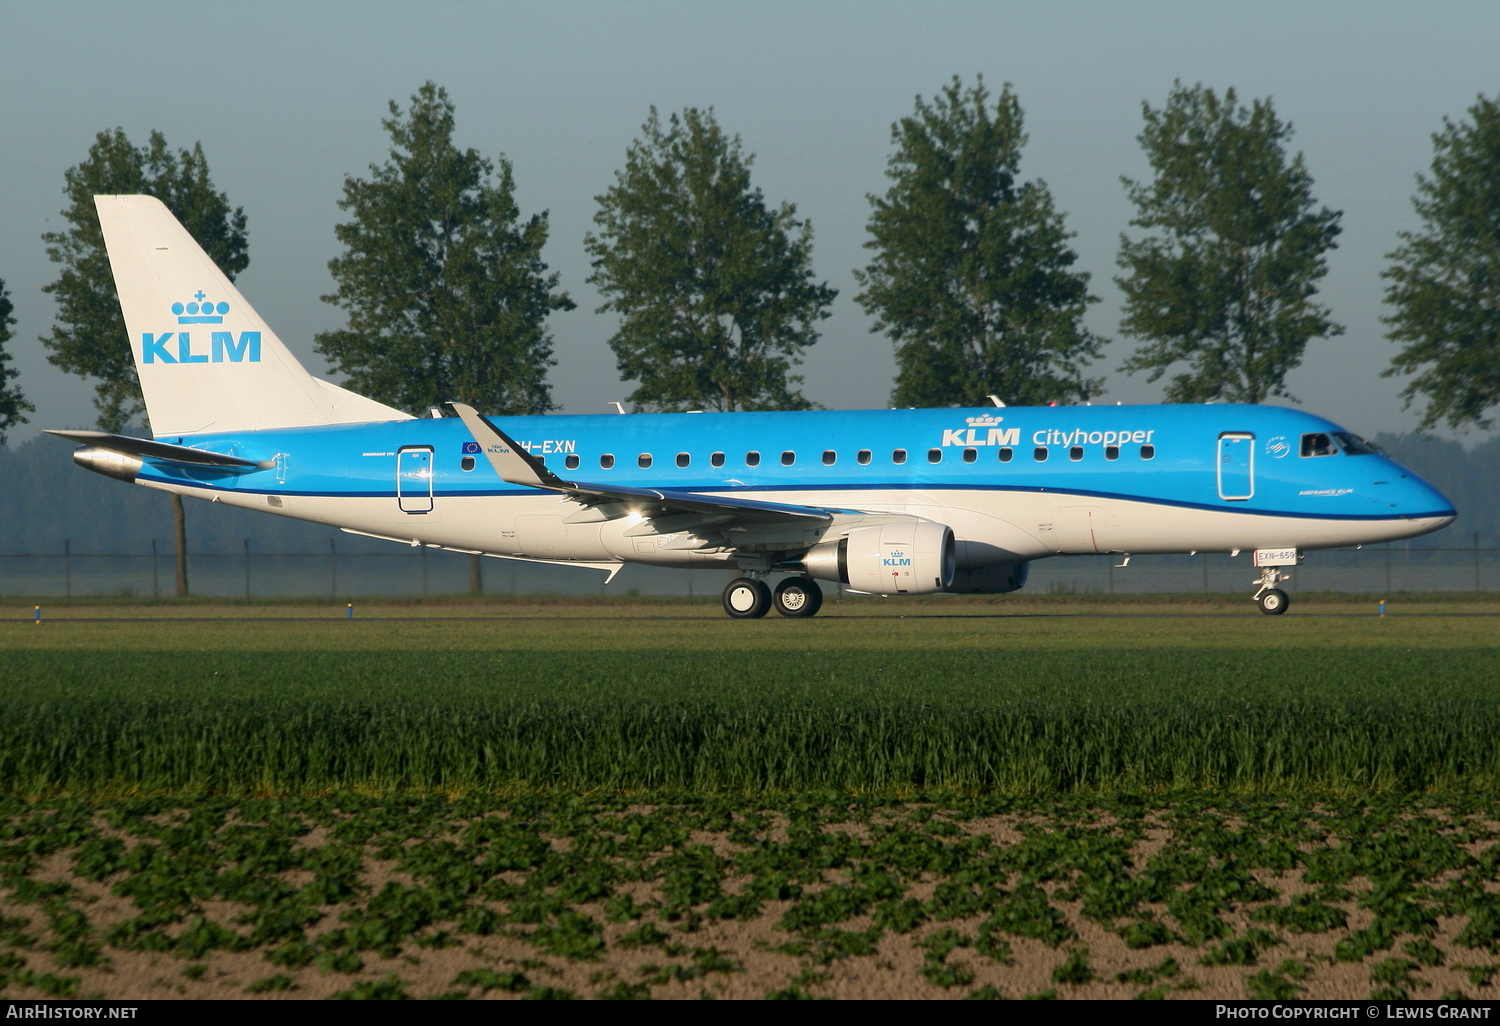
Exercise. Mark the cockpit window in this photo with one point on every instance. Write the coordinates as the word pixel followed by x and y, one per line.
pixel 1318 444
pixel 1353 445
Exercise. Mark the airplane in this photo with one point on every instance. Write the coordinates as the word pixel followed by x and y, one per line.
pixel 883 502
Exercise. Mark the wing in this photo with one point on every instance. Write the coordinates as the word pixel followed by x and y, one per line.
pixel 606 502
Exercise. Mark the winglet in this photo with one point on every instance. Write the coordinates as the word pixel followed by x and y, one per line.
pixel 513 463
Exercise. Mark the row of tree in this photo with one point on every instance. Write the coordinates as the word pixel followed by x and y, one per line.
pixel 972 275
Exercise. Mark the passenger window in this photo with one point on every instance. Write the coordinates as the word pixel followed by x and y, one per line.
pixel 571 462
pixel 683 459
pixel 1076 453
pixel 643 460
pixel 970 455
pixel 863 458
pixel 1111 452
pixel 934 455
pixel 1006 454
pixel 607 461
pixel 830 457
pixel 542 460
pixel 752 459
pixel 898 457
pixel 1039 454
pixel 1317 444
pixel 1148 452
pixel 788 458
pixel 467 463
pixel 716 460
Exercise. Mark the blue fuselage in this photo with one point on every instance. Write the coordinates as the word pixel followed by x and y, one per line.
pixel 1165 456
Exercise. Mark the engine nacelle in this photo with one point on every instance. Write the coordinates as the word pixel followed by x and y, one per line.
pixel 991 580
pixel 913 557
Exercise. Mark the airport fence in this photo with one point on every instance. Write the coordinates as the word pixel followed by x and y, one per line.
pixel 412 572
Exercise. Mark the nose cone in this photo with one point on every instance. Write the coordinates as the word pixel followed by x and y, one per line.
pixel 1420 504
pixel 1427 499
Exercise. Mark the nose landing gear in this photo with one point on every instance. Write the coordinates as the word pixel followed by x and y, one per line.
pixel 1271 599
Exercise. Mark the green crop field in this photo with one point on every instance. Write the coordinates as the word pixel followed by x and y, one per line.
pixel 643 799
pixel 86 721
pixel 643 699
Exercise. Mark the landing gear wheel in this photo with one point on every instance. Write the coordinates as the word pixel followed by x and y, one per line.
pixel 747 598
pixel 1273 601
pixel 798 596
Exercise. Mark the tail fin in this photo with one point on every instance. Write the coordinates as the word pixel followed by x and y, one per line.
pixel 217 366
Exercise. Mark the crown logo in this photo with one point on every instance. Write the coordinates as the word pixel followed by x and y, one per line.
pixel 984 420
pixel 200 312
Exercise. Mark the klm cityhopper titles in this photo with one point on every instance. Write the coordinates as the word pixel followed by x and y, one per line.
pixel 886 502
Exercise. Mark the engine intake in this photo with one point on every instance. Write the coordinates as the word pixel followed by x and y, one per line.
pixel 914 557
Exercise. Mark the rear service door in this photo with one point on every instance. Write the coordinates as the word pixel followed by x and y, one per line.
pixel 1236 467
pixel 414 479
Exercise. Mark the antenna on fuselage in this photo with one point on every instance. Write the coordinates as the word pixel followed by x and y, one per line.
pixel 619 407
pixel 996 400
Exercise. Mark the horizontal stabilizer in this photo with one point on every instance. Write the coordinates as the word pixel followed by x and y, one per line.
pixel 145 448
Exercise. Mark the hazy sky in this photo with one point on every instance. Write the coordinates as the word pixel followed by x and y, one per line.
pixel 287 99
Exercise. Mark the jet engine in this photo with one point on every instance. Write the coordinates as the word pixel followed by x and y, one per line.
pixel 911 557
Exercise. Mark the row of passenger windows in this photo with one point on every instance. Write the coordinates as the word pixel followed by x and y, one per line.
pixel 863 457
pixel 1313 444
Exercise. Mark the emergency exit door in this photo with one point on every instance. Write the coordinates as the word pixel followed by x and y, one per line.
pixel 1236 465
pixel 414 480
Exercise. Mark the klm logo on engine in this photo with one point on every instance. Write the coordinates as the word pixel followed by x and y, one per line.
pixel 895 558
pixel 222 345
pixel 990 426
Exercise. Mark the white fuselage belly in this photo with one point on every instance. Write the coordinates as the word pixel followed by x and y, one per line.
pixel 991 526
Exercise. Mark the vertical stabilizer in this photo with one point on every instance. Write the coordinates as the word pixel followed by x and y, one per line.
pixel 206 360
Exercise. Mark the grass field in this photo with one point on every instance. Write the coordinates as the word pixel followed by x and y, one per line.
pixel 883 697
pixel 1136 798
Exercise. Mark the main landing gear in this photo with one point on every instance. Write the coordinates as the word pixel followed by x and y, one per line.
pixel 798 596
pixel 748 598
pixel 1271 599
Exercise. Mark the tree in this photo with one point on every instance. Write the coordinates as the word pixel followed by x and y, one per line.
pixel 972 276
pixel 714 290
pixel 89 337
pixel 444 285
pixel 1227 283
pixel 1445 280
pixel 13 404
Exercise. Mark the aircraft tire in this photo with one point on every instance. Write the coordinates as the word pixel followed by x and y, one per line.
pixel 747 599
pixel 1273 601
pixel 798 596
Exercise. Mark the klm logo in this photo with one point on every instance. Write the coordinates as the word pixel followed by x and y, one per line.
pixel 221 344
pixel 990 425
pixel 896 558
pixel 200 312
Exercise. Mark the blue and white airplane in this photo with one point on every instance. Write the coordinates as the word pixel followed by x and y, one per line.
pixel 884 501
